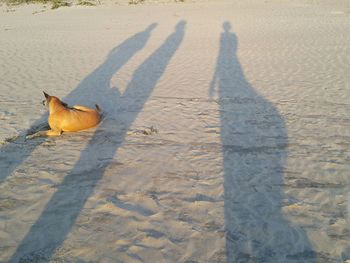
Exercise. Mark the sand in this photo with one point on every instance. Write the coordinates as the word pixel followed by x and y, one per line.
pixel 225 138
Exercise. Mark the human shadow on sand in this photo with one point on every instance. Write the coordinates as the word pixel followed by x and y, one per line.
pixel 92 89
pixel 254 146
pixel 55 222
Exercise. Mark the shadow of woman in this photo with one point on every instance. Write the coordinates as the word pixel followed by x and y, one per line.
pixel 92 89
pixel 254 140
pixel 58 217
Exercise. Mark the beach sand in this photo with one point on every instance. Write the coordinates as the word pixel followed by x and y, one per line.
pixel 225 138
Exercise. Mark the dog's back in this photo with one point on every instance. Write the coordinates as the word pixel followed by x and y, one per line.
pixel 73 119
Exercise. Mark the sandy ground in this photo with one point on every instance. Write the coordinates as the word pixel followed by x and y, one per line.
pixel 226 133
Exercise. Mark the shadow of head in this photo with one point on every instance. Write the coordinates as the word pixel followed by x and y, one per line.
pixel 181 25
pixel 227 26
pixel 151 27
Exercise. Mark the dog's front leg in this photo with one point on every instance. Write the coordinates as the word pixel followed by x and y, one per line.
pixel 53 132
pixel 44 133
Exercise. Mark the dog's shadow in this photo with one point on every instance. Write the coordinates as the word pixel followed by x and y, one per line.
pixel 52 227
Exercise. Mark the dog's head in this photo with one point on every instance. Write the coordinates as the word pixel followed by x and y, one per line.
pixel 52 100
pixel 47 99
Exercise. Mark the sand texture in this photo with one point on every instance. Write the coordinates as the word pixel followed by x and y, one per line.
pixel 225 138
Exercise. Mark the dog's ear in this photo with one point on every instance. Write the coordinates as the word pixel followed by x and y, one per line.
pixel 64 104
pixel 47 96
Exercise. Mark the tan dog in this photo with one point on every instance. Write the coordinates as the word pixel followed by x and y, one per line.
pixel 69 119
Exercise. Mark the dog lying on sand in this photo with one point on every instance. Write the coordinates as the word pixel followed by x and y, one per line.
pixel 63 118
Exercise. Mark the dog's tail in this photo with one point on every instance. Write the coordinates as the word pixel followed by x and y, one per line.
pixel 98 108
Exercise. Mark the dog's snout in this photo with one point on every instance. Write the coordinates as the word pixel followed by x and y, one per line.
pixel 43 102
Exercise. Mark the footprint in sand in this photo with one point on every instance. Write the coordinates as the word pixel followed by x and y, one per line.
pixel 130 207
